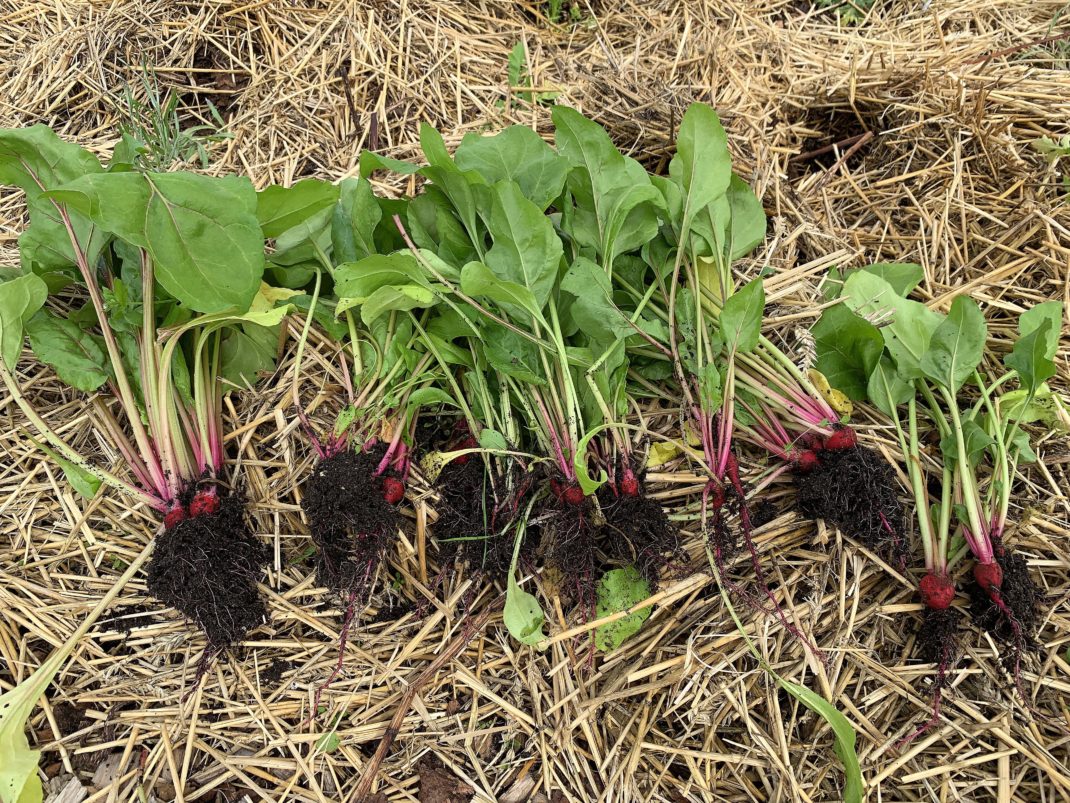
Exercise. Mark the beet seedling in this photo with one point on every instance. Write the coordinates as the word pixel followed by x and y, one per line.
pixel 928 359
pixel 171 264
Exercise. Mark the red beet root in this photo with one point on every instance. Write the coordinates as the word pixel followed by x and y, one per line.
pixel 556 488
pixel 842 439
pixel 174 517
pixel 813 441
pixel 205 503
pixel 989 577
pixel 629 486
pixel 393 490
pixel 573 495
pixel 806 461
pixel 467 443
pixel 937 591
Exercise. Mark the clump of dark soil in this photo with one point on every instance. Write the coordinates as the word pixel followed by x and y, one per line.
pixel 568 538
pixel 127 618
pixel 438 784
pixel 351 523
pixel 762 512
pixel 1020 596
pixel 937 640
pixel 637 531
pixel 855 490
pixel 273 672
pixel 70 718
pixel 474 522
pixel 207 567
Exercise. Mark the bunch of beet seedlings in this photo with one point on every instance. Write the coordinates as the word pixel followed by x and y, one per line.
pixel 525 300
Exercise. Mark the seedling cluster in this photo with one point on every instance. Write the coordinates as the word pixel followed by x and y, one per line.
pixel 503 334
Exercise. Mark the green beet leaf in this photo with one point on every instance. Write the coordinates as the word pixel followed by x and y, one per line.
pixel 36 160
pixel 513 355
pixel 354 221
pixel 20 299
pixel 201 232
pixel 619 590
pixel 702 164
pixel 848 348
pixel 77 356
pixel 281 208
pixel 908 326
pixel 526 248
pixel 522 614
pixel 516 154
pixel 84 482
pixel 593 308
pixel 886 389
pixel 478 280
pixel 1034 317
pixel 957 345
pixel 741 317
pixel 1029 358
pixel 748 219
pixel 354 282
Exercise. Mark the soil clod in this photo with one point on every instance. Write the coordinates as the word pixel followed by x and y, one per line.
pixel 207 568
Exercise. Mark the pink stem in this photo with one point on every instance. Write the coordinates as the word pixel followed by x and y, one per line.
pixel 559 454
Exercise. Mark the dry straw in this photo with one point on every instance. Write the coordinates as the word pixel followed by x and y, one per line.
pixel 899 139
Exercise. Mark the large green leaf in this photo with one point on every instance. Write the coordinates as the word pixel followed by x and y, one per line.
pixel 77 356
pixel 908 326
pixel 848 348
pixel 1029 358
pixel 354 221
pixel 526 248
pixel 280 208
pixel 516 154
pixel 512 354
pixel 36 160
pixel 478 280
pixel 1034 317
pixel 741 317
pixel 619 590
pixel 748 219
pixel 401 297
pixel 20 299
pixel 356 281
pixel 886 389
pixel 702 164
pixel 593 308
pixel 201 232
pixel 957 345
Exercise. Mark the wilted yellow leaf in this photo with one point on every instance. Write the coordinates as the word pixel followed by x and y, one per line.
pixel 836 399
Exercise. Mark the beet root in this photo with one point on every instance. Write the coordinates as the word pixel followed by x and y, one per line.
pixel 207 567
pixel 937 591
pixel 854 489
pixel 351 522
pixel 1006 603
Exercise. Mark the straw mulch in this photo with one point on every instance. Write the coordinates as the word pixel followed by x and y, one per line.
pixel 682 712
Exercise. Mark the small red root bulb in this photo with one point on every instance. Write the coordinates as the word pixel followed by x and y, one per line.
pixel 556 488
pixel 175 516
pixel 573 495
pixel 467 443
pixel 814 441
pixel 806 461
pixel 629 484
pixel 989 577
pixel 937 591
pixel 393 490
pixel 205 503
pixel 842 439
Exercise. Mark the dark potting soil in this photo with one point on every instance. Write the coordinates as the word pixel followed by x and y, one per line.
pixel 637 530
pixel 762 512
pixel 471 528
pixel 352 525
pixel 1019 593
pixel 937 640
pixel 207 568
pixel 569 541
pixel 855 490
